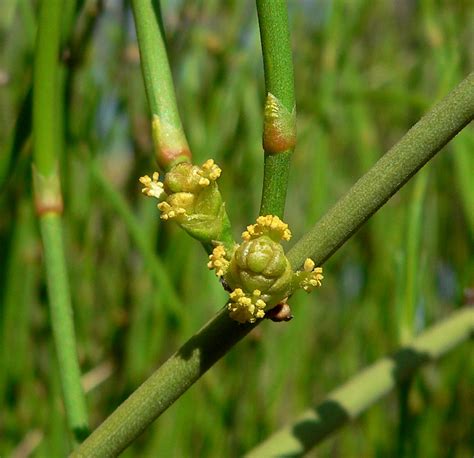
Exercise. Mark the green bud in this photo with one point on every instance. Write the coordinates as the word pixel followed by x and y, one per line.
pixel 259 275
pixel 189 195
pixel 261 264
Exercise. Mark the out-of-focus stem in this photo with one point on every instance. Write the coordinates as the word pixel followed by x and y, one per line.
pixel 347 402
pixel 157 269
pixel 412 262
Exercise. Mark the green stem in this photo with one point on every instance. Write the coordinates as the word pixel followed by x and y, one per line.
pixel 388 175
pixel 358 394
pixel 279 134
pixel 220 334
pixel 45 95
pixel 164 387
pixel 63 324
pixel 168 135
pixel 47 139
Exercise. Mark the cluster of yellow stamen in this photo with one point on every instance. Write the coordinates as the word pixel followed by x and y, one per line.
pixel 269 225
pixel 209 171
pixel 153 188
pixel 246 308
pixel 171 208
pixel 311 276
pixel 169 212
pixel 217 261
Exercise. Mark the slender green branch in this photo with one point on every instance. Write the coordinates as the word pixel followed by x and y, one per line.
pixel 218 336
pixel 63 324
pixel 351 399
pixel 168 135
pixel 170 141
pixel 279 134
pixel 46 143
pixel 388 175
pixel 164 387
pixel 46 74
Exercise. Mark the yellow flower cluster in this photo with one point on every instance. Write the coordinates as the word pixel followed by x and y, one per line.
pixel 175 204
pixel 210 171
pixel 246 308
pixel 153 188
pixel 260 263
pixel 217 261
pixel 312 276
pixel 170 211
pixel 269 225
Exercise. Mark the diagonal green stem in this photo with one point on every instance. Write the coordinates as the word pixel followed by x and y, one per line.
pixel 347 402
pixel 388 175
pixel 164 387
pixel 47 138
pixel 168 135
pixel 279 130
pixel 220 334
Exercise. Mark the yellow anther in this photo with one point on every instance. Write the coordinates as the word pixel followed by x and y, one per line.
pixel 308 265
pixel 260 304
pixel 204 182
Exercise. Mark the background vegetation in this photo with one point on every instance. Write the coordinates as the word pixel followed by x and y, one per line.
pixel 365 72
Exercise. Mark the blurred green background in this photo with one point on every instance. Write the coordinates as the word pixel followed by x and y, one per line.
pixel 365 71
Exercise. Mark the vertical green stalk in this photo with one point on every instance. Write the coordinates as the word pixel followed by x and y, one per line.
pixel 412 261
pixel 48 201
pixel 407 307
pixel 279 131
pixel 168 135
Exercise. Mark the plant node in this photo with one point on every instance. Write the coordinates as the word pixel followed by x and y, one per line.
pixel 171 144
pixel 48 197
pixel 279 126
